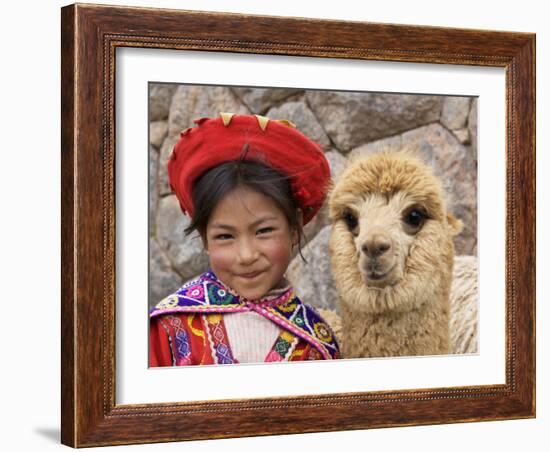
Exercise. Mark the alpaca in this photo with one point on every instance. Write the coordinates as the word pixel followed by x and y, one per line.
pixel 463 313
pixel 391 250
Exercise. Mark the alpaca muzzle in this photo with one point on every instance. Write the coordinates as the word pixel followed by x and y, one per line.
pixel 376 246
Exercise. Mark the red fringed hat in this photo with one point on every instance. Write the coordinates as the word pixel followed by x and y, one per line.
pixel 274 142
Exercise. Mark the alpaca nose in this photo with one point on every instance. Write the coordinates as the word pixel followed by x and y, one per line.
pixel 376 245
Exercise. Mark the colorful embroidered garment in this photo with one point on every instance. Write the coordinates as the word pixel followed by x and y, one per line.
pixel 188 327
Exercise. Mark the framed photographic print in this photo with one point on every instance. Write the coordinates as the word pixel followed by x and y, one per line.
pixel 136 83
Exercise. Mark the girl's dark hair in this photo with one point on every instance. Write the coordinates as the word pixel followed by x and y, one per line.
pixel 217 182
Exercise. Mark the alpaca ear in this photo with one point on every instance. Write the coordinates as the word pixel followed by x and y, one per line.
pixel 455 224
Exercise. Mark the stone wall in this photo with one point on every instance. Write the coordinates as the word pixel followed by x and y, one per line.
pixel 347 125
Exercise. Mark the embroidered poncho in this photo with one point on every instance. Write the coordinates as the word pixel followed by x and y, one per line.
pixel 188 327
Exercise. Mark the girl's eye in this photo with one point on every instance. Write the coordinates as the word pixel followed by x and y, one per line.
pixel 223 237
pixel 351 220
pixel 265 230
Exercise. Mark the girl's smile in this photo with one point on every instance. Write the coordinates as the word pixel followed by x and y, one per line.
pixel 249 242
pixel 251 275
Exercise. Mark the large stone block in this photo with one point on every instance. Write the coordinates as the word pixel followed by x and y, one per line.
pixel 454 113
pixel 259 100
pixel 157 133
pixel 192 102
pixel 160 97
pixel 186 253
pixel 163 280
pixel 313 280
pixel 352 119
pixel 305 121
pixel 390 144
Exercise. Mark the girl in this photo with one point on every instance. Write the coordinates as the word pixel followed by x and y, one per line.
pixel 249 184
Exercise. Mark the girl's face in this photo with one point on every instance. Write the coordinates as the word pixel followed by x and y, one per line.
pixel 249 242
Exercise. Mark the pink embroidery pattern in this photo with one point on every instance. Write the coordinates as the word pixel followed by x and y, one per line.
pixel 182 352
pixel 218 340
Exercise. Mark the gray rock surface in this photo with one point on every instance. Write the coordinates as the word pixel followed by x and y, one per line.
pixel 467 240
pixel 194 102
pixel 390 144
pixel 259 100
pixel 153 188
pixel 305 121
pixel 165 150
pixel 163 280
pixel 462 135
pixel 455 112
pixel 352 119
pixel 157 133
pixel 313 280
pixel 186 253
pixel 448 157
pixel 160 98
pixel 472 127
pixel 337 163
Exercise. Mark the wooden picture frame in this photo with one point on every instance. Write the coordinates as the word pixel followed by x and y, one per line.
pixel 90 36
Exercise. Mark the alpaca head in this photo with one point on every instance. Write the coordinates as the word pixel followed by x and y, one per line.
pixel 391 243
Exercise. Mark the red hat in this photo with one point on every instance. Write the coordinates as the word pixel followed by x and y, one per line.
pixel 274 142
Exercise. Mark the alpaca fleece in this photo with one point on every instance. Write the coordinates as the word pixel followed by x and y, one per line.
pixel 463 316
pixel 410 314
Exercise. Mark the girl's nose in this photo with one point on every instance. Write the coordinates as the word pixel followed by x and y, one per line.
pixel 247 252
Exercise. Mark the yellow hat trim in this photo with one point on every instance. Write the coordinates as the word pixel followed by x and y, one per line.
pixel 226 118
pixel 262 120
pixel 286 122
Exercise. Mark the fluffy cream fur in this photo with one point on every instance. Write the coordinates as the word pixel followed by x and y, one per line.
pixel 464 303
pixel 463 313
pixel 393 279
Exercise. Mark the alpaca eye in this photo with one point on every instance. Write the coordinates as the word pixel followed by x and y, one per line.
pixel 351 220
pixel 414 219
